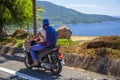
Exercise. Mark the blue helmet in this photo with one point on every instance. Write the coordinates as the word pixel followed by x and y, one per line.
pixel 45 21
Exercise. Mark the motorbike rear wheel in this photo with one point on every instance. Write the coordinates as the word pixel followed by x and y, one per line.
pixel 58 67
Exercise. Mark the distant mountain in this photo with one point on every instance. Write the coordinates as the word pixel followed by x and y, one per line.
pixel 62 15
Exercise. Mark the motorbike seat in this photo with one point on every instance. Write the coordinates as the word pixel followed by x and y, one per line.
pixel 48 48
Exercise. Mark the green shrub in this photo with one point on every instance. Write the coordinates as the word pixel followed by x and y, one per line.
pixel 22 36
pixel 20 44
pixel 6 40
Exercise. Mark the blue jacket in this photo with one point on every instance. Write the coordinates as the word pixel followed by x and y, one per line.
pixel 51 36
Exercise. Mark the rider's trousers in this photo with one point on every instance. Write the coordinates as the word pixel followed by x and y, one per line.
pixel 35 48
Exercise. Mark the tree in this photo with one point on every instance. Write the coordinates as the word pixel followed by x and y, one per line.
pixel 39 9
pixel 34 16
pixel 38 17
pixel 15 12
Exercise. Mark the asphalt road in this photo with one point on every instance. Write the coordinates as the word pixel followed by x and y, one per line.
pixel 12 68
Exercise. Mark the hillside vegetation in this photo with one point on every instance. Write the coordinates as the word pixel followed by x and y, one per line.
pixel 58 14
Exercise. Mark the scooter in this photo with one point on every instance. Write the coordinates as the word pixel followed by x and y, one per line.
pixel 49 58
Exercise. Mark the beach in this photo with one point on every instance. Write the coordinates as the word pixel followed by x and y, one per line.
pixel 82 38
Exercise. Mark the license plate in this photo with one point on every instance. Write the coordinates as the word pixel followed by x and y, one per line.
pixel 62 61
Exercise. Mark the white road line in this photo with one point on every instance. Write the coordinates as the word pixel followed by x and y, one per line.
pixel 18 74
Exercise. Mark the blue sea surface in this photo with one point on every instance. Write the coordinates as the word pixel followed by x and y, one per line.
pixel 95 29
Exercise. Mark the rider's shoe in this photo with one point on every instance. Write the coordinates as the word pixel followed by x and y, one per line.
pixel 35 63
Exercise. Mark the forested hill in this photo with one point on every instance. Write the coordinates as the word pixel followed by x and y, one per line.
pixel 59 14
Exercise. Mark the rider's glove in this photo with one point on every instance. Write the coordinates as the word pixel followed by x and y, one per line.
pixel 36 39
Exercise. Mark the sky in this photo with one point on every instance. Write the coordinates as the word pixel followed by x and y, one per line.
pixel 104 7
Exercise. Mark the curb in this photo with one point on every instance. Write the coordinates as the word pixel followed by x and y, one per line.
pixel 100 65
pixel 10 50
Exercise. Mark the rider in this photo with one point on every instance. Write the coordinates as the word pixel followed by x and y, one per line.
pixel 50 36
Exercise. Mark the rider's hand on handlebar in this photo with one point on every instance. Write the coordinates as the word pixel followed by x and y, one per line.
pixel 36 39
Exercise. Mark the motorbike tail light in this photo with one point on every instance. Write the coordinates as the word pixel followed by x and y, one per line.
pixel 61 56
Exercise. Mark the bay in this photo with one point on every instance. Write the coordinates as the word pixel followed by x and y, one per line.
pixel 94 29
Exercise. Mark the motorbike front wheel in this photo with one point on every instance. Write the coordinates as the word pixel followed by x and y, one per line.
pixel 28 60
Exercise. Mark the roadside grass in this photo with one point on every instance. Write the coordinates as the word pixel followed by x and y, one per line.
pixel 67 45
pixel 12 42
pixel 107 46
pixel 19 42
pixel 113 53
pixel 66 42
pixel 6 40
pixel 73 47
